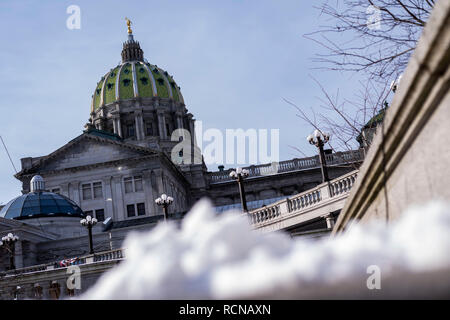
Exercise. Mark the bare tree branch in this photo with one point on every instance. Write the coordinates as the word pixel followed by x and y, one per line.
pixel 355 43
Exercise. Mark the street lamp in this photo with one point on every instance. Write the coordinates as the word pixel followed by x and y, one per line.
pixel 239 175
pixel 164 201
pixel 319 139
pixel 8 242
pixel 89 222
pixel 395 83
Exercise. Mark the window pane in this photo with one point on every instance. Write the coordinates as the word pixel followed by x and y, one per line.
pixel 130 210
pixel 128 185
pixel 87 194
pixel 130 131
pixel 56 190
pixel 98 193
pixel 149 129
pixel 138 183
pixel 49 209
pixel 100 214
pixel 141 209
pixel 88 213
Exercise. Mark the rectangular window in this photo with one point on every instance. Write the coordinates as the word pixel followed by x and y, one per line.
pixel 128 184
pixel 148 129
pixel 98 192
pixel 87 192
pixel 56 190
pixel 141 209
pixel 130 210
pixel 133 184
pixel 138 183
pixel 130 130
pixel 100 214
pixel 168 130
pixel 89 213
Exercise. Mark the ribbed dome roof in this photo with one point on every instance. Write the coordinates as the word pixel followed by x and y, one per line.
pixel 40 204
pixel 134 78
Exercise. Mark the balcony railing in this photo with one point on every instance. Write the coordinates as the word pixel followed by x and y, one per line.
pixel 292 165
pixel 323 193
pixel 111 255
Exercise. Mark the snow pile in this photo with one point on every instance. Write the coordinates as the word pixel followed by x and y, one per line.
pixel 220 257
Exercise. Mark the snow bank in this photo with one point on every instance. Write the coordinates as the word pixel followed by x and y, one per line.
pixel 221 257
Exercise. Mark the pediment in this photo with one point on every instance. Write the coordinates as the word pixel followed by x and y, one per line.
pixel 89 150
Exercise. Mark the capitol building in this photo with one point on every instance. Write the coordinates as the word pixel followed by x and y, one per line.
pixel 115 169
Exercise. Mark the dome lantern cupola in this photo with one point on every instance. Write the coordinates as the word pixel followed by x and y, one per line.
pixel 37 184
pixel 131 49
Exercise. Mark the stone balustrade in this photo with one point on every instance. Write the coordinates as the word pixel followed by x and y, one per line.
pixel 50 281
pixel 322 195
pixel 292 165
pixel 91 258
pixel 109 255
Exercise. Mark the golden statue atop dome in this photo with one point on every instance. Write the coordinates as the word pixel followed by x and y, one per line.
pixel 129 25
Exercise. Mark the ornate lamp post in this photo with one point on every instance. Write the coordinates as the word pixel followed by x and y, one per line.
pixel 319 139
pixel 89 222
pixel 8 242
pixel 395 83
pixel 239 175
pixel 165 201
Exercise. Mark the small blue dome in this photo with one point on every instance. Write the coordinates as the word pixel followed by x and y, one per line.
pixel 40 204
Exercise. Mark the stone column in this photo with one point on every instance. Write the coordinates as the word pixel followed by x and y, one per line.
pixel 160 185
pixel 162 124
pixel 18 254
pixel 117 123
pixel 46 290
pixel 149 196
pixel 140 134
pixel 179 117
pixel 196 153
pixel 118 198
pixel 62 289
pixel 99 124
pixel 115 129
pixel 119 127
pixel 155 193
pixel 191 127
pixel 76 192
pixel 65 190
pixel 109 208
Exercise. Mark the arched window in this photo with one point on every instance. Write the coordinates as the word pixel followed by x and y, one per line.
pixel 54 290
pixel 38 291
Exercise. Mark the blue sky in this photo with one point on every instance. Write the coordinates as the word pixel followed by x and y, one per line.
pixel 235 61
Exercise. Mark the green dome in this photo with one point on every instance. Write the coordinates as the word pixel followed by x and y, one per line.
pixel 135 79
